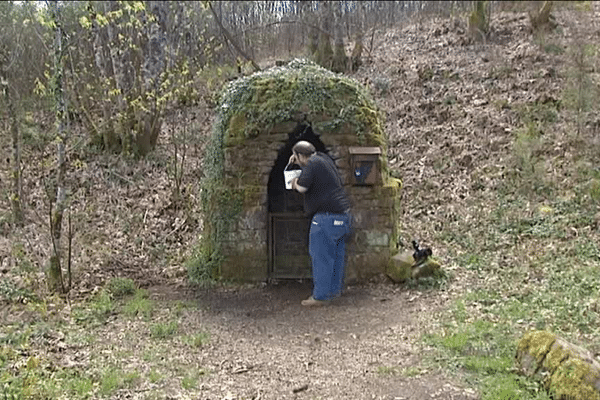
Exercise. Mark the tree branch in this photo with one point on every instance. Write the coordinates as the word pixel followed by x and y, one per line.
pixel 287 22
pixel 228 37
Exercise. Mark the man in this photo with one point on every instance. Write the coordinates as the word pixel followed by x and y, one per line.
pixel 327 204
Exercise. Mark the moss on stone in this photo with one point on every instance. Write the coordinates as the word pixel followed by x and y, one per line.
pixel 557 354
pixel 399 268
pixel 536 344
pixel 571 380
pixel 567 371
pixel 300 91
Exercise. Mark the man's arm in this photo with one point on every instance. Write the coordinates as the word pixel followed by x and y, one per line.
pixel 297 187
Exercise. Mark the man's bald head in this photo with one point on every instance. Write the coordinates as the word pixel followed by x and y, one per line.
pixel 305 148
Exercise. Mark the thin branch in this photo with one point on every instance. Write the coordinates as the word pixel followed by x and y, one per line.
pixel 285 22
pixel 230 39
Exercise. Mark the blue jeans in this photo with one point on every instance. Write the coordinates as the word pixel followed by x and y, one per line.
pixel 326 246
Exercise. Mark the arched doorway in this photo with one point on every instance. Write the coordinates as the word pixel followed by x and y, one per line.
pixel 287 224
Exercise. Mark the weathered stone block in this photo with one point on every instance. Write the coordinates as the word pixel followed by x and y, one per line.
pixel 567 371
pixel 363 218
pixel 377 238
pixel 283 127
pixel 250 264
pixel 402 267
pixel 364 266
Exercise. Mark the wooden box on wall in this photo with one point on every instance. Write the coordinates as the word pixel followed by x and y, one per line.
pixel 364 164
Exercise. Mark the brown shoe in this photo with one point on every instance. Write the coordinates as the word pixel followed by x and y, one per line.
pixel 312 302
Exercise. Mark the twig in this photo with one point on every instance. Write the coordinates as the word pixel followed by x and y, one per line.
pixel 121 177
pixel 69 253
pixel 300 389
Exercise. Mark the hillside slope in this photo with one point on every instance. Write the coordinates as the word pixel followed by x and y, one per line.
pixel 475 125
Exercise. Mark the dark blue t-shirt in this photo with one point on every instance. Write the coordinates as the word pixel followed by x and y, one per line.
pixel 325 190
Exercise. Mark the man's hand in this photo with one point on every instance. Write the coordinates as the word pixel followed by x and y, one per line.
pixel 297 187
pixel 293 159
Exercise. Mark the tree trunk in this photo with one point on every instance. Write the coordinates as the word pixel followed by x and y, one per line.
pixel 6 78
pixel 55 281
pixel 148 119
pixel 340 60
pixel 106 130
pixel 355 58
pixel 542 19
pixel 313 44
pixel 325 52
pixel 15 198
pixel 122 120
pixel 479 23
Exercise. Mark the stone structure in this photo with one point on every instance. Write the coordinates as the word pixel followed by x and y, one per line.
pixel 567 371
pixel 257 226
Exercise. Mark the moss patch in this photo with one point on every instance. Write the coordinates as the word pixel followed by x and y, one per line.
pixel 536 344
pixel 300 91
pixel 566 371
pixel 572 381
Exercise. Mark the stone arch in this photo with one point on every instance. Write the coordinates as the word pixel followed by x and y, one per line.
pixel 280 199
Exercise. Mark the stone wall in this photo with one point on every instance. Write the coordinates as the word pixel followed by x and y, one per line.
pixel 247 168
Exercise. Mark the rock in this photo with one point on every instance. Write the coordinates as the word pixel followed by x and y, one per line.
pixel 402 267
pixel 567 371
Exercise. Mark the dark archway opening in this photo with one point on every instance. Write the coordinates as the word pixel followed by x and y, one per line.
pixel 282 200
pixel 288 227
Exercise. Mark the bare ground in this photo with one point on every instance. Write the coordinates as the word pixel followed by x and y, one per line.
pixel 265 345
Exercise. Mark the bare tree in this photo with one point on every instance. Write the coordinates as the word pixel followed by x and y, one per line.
pixel 355 58
pixel 16 195
pixel 340 60
pixel 324 56
pixel 55 279
pixel 9 44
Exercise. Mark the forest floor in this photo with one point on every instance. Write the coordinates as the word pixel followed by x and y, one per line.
pixel 495 180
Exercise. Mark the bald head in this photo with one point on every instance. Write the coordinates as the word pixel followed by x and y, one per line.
pixel 303 147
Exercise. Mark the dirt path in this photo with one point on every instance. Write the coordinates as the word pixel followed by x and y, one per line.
pixel 265 345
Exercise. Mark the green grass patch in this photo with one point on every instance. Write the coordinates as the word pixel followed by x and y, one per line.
pixel 511 387
pixel 154 376
pixel 438 281
pixel 121 287
pixel 11 292
pixel 164 330
pixel 197 340
pixel 139 305
pixel 386 370
pixel 113 379
pixel 482 352
pixel 97 310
